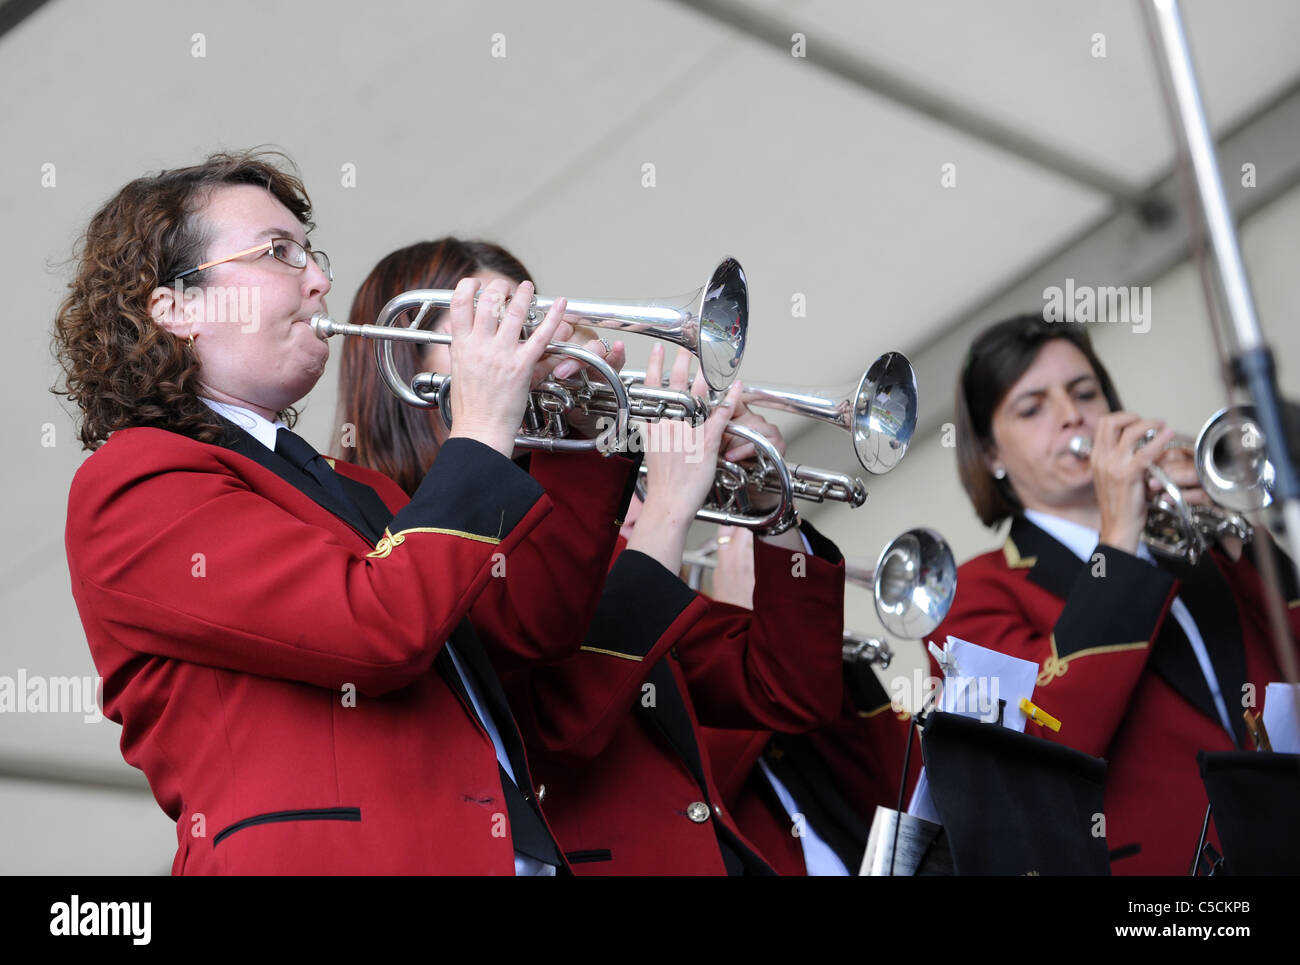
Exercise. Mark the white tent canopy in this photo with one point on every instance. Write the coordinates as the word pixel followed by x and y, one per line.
pixel 892 176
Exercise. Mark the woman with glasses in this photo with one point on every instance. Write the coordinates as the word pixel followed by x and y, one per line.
pixel 1145 661
pixel 293 646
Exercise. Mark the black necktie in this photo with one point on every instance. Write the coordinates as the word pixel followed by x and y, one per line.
pixel 299 452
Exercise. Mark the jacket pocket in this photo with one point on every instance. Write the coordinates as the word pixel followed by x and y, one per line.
pixel 585 857
pixel 274 817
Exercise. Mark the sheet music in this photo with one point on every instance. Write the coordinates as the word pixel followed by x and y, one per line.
pixel 982 678
pixel 1280 717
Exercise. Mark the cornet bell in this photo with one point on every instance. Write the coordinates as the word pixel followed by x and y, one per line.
pixel 884 413
pixel 1232 462
pixel 724 320
pixel 915 582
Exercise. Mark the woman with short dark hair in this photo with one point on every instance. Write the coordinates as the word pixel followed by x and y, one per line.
pixel 1144 661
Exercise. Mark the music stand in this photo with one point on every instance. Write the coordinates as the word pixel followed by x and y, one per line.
pixel 1012 803
pixel 1255 796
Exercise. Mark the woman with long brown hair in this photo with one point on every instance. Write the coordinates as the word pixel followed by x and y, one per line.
pixel 378 430
pixel 614 727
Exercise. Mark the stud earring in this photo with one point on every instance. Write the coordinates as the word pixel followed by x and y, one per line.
pixel 1000 473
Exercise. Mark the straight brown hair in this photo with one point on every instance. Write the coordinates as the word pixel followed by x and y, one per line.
pixel 998 357
pixel 389 435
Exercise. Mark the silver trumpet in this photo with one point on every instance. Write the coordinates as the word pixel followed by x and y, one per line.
pixel 913 584
pixel 878 411
pixel 710 322
pixel 1233 469
pixel 429 390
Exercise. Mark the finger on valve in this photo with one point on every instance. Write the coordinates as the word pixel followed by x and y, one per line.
pixel 542 336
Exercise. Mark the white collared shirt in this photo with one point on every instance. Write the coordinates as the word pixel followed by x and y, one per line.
pixel 1082 542
pixel 264 431
pixel 819 858
pixel 255 425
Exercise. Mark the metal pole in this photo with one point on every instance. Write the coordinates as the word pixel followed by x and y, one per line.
pixel 1251 361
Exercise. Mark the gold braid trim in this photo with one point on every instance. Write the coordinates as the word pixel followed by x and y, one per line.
pixel 866 714
pixel 1055 666
pixel 1014 560
pixel 1052 668
pixel 391 541
pixel 613 653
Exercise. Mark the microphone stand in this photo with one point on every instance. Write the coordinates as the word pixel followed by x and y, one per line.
pixel 1251 365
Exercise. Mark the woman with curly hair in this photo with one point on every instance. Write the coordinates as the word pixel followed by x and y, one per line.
pixel 297 652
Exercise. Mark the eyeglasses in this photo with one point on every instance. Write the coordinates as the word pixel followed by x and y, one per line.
pixel 281 249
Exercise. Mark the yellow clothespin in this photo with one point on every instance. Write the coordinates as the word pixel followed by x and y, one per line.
pixel 1038 715
pixel 1255 726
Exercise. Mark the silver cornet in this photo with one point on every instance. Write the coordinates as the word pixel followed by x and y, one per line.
pixel 913 583
pixel 1234 471
pixel 879 411
pixel 710 322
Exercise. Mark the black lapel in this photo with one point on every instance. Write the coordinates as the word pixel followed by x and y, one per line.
pixel 1208 598
pixel 528 830
pixel 467 644
pixel 1054 567
pixel 669 716
pixel 239 441
pixel 816 793
pixel 1051 563
pixel 369 502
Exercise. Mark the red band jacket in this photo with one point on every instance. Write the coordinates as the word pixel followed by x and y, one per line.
pixel 276 659
pixel 1119 674
pixel 837 773
pixel 614 733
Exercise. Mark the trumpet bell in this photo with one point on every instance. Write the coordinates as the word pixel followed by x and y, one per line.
pixel 1232 461
pixel 915 583
pixel 724 322
pixel 883 418
pixel 879 411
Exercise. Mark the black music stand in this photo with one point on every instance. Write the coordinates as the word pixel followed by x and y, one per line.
pixel 1012 803
pixel 1255 796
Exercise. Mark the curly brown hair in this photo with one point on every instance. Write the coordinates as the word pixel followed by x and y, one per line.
pixel 390 436
pixel 119 366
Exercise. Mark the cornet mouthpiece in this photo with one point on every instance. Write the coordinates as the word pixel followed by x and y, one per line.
pixel 322 325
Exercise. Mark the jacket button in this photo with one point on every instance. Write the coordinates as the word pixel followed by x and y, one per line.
pixel 541 793
pixel 698 812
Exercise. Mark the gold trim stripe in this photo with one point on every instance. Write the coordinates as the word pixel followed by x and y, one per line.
pixel 867 714
pixel 1014 560
pixel 613 653
pixel 393 540
pixel 1054 666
